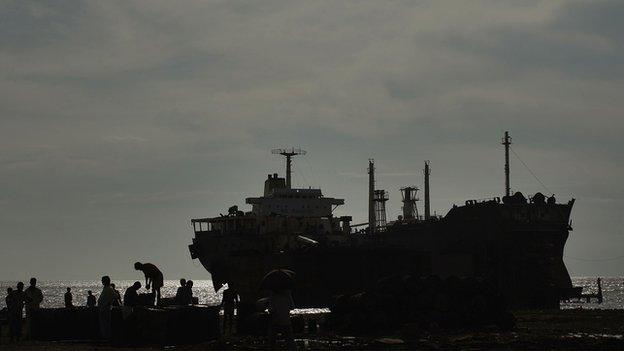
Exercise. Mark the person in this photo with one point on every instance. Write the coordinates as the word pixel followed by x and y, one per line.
pixel 5 311
pixel 104 302
pixel 179 297
pixel 229 303
pixel 33 298
pixel 131 296
pixel 69 298
pixel 153 277
pixel 117 300
pixel 16 310
pixel 90 299
pixel 189 292
pixel 280 305
pixel 8 298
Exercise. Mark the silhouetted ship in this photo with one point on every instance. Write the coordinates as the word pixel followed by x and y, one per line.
pixel 514 243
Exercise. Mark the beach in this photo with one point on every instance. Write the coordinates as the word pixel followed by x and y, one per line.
pixel 572 329
pixel 577 326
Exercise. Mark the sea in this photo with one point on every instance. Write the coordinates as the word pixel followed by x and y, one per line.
pixel 54 291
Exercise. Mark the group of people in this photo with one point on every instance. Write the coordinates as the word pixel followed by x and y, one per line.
pixel 31 298
pixel 279 303
pixel 91 299
pixel 16 300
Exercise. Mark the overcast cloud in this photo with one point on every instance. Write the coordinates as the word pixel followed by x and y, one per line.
pixel 121 120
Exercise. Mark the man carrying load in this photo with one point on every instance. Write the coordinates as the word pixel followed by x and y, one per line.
pixel 153 277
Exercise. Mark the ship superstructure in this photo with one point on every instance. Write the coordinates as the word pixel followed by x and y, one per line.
pixel 514 242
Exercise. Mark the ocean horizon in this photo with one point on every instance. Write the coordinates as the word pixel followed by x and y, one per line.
pixel 54 290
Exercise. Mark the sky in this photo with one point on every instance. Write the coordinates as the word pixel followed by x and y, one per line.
pixel 121 120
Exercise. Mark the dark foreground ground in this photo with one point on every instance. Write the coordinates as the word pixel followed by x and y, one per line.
pixel 535 330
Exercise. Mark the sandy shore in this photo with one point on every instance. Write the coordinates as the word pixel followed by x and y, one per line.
pixel 536 330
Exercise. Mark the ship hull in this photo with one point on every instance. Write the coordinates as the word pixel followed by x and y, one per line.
pixel 517 248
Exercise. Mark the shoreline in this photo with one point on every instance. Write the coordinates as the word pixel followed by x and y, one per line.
pixel 569 329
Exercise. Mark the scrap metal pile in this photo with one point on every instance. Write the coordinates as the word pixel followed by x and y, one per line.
pixel 130 326
pixel 430 303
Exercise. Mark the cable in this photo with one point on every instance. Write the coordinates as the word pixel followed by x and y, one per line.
pixel 530 171
pixel 313 176
pixel 300 173
pixel 595 259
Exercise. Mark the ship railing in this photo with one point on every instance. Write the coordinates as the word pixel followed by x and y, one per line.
pixel 495 199
pixel 201 225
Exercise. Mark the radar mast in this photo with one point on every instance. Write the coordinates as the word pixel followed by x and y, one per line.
pixel 288 153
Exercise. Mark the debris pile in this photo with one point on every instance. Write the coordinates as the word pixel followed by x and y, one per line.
pixel 430 303
pixel 130 326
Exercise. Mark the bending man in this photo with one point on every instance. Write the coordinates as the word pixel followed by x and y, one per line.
pixel 153 277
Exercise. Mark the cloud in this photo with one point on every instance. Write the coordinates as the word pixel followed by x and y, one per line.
pixel 158 100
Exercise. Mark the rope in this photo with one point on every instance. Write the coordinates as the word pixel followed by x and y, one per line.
pixel 530 171
pixel 595 259
pixel 313 176
pixel 299 171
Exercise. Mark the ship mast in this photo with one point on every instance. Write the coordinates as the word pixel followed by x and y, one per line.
pixel 426 171
pixel 288 153
pixel 507 142
pixel 371 196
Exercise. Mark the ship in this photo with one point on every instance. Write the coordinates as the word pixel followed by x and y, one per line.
pixel 513 242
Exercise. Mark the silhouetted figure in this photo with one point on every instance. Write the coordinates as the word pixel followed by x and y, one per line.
pixel 33 298
pixel 189 287
pixel 16 310
pixel 189 292
pixel 8 301
pixel 69 299
pixel 153 277
pixel 91 302
pixel 131 296
pixel 117 301
pixel 229 303
pixel 107 296
pixel 280 305
pixel 8 297
pixel 179 298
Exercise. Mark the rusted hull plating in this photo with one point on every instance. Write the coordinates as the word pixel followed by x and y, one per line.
pixel 516 247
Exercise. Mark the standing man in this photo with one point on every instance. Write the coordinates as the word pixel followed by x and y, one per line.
pixel 16 309
pixel 69 298
pixel 229 303
pixel 153 277
pixel 117 300
pixel 179 298
pixel 189 292
pixel 280 305
pixel 104 303
pixel 33 298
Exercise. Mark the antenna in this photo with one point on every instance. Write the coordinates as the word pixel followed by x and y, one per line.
pixel 288 153
pixel 427 172
pixel 507 142
pixel 371 195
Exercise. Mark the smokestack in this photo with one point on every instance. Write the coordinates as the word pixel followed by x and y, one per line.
pixel 427 208
pixel 371 195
